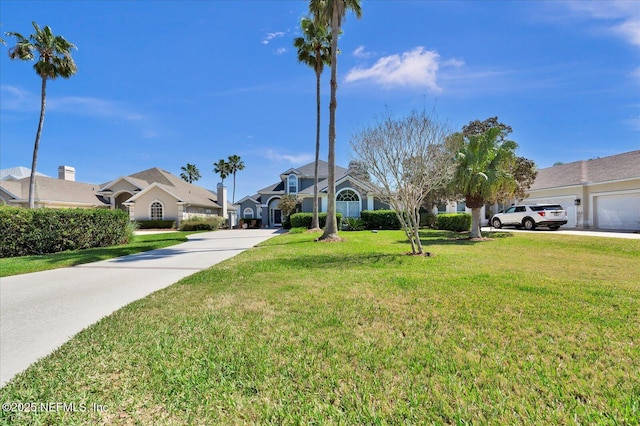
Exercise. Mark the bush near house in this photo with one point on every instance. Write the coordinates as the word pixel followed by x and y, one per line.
pixel 41 231
pixel 156 224
pixel 210 224
pixel 457 222
pixel 380 219
pixel 303 220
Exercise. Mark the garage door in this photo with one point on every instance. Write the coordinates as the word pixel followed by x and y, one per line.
pixel 568 203
pixel 617 211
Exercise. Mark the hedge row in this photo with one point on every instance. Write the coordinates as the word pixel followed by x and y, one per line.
pixel 156 224
pixel 210 224
pixel 380 219
pixel 303 220
pixel 457 222
pixel 40 231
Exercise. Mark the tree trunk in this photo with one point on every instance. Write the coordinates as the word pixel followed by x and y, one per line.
pixel 475 223
pixel 331 228
pixel 315 222
pixel 233 196
pixel 36 145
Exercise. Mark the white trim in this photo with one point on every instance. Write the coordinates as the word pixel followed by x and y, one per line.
pixel 151 187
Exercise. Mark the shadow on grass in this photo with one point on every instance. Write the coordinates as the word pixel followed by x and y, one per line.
pixel 438 238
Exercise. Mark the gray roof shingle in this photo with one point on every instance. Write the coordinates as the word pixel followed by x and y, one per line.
pixel 612 168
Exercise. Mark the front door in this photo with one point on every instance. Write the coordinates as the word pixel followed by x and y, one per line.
pixel 277 217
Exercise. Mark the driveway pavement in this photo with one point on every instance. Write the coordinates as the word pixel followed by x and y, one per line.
pixel 606 234
pixel 42 310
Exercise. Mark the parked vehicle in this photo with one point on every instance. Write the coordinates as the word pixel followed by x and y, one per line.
pixel 530 216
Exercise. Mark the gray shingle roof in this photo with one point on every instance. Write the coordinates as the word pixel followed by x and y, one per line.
pixel 187 192
pixel 612 168
pixel 56 190
pixel 307 171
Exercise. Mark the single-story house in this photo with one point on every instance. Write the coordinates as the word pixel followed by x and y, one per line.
pixel 352 194
pixel 603 193
pixel 149 194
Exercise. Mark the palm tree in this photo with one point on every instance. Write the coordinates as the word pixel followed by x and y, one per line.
pixel 54 60
pixel 332 12
pixel 190 173
pixel 483 170
pixel 235 165
pixel 314 50
pixel 222 168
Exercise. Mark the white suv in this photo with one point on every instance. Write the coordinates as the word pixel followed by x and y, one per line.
pixel 530 216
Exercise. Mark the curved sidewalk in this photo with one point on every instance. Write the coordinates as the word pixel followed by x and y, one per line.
pixel 42 310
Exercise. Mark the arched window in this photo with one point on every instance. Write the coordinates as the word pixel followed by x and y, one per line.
pixel 293 184
pixel 348 203
pixel 157 211
pixel 247 213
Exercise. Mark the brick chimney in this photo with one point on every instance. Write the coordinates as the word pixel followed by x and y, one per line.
pixel 67 173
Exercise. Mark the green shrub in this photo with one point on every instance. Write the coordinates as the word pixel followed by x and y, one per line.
pixel 353 224
pixel 457 222
pixel 41 231
pixel 380 219
pixel 303 220
pixel 156 224
pixel 201 224
pixel 427 219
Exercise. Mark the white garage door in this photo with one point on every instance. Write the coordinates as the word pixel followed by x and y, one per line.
pixel 617 211
pixel 568 203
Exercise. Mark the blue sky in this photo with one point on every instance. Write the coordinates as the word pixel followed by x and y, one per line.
pixel 165 83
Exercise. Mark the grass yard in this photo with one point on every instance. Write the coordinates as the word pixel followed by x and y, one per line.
pixel 527 328
pixel 25 264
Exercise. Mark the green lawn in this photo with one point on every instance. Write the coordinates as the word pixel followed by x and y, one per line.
pixel 528 328
pixel 25 264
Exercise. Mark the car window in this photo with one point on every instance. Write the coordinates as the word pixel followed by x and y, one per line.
pixel 510 210
pixel 521 209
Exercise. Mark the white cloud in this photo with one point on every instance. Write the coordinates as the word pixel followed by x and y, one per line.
pixel 93 107
pixel 622 17
pixel 16 99
pixel 360 52
pixel 299 159
pixel 281 51
pixel 415 68
pixel 270 36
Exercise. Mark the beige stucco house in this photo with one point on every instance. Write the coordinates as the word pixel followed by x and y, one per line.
pixel 150 194
pixel 603 193
pixel 600 194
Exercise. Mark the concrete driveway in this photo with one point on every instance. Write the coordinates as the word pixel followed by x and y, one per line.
pixel 42 310
pixel 606 234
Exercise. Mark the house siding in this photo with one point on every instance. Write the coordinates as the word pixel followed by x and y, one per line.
pixel 143 205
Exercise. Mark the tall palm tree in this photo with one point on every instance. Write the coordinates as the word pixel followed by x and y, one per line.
pixel 190 173
pixel 54 60
pixel 235 165
pixel 221 168
pixel 314 50
pixel 332 12
pixel 483 170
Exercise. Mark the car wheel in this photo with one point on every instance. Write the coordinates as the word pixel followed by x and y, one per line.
pixel 496 223
pixel 529 224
